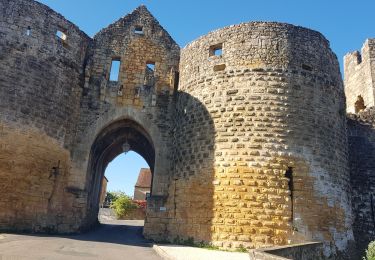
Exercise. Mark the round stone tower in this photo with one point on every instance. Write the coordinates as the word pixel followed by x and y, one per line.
pixel 41 62
pixel 271 98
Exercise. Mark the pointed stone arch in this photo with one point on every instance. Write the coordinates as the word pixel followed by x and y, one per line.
pixel 108 145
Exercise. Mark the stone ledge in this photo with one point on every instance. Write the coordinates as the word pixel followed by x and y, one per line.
pixel 179 252
pixel 162 253
pixel 305 251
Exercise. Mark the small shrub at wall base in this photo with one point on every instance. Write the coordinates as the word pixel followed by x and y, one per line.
pixel 370 252
pixel 123 205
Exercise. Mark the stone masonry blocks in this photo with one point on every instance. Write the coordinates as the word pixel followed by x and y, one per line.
pixel 244 129
pixel 267 106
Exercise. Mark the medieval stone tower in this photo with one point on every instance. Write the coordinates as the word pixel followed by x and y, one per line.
pixel 244 129
pixel 270 142
pixel 359 77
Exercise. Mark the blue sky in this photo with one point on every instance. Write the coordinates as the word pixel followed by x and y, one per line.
pixel 122 172
pixel 346 24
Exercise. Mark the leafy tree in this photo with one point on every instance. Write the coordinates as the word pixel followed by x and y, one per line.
pixel 123 204
pixel 370 252
pixel 113 195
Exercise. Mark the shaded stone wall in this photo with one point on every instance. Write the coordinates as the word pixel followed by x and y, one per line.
pixel 39 105
pixel 276 101
pixel 103 191
pixel 359 75
pixel 361 132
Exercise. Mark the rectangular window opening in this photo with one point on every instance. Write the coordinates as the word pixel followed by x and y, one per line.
pixel 216 50
pixel 61 35
pixel 138 30
pixel 28 31
pixel 115 70
pixel 306 67
pixel 150 66
pixel 219 67
pixel 149 77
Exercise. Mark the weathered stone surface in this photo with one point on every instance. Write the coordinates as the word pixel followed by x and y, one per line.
pixel 245 134
pixel 359 84
pixel 361 134
pixel 359 75
pixel 269 113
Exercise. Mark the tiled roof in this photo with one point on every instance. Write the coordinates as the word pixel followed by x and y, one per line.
pixel 144 178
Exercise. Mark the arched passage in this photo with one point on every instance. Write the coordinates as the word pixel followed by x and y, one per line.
pixel 107 145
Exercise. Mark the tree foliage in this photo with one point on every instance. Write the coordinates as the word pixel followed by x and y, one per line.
pixel 122 204
pixel 370 252
pixel 113 195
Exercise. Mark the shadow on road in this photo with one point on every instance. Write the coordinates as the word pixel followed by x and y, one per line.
pixel 124 232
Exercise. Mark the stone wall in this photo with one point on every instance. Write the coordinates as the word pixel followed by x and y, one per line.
pixel 46 70
pixel 39 106
pixel 359 75
pixel 103 191
pixel 361 132
pixel 57 96
pixel 140 193
pixel 273 101
pixel 137 108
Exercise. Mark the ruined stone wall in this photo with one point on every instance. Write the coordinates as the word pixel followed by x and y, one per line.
pixel 273 102
pixel 361 135
pixel 40 97
pixel 359 75
pixel 138 96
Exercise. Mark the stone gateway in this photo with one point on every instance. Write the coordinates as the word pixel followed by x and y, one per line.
pixel 244 130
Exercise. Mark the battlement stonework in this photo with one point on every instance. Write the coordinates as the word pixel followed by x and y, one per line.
pixel 359 75
pixel 244 129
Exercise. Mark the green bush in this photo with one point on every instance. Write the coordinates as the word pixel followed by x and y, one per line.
pixel 122 204
pixel 370 252
pixel 113 195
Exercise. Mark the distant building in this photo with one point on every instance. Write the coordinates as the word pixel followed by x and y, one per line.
pixel 103 192
pixel 143 185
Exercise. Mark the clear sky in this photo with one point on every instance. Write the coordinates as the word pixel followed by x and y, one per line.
pixel 346 24
pixel 122 172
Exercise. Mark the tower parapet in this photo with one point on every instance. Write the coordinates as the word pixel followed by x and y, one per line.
pixel 359 76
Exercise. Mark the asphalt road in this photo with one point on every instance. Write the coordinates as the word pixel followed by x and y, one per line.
pixel 112 240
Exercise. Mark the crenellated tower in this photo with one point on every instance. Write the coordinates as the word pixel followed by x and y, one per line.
pixel 359 76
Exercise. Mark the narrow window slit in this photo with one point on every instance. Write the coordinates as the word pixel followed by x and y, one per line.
pixel 28 31
pixel 306 67
pixel 115 70
pixel 289 176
